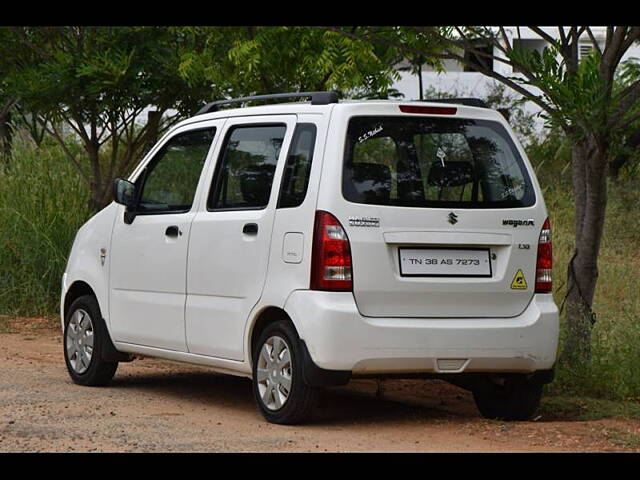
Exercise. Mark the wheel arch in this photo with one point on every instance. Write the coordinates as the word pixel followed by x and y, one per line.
pixel 312 374
pixel 78 289
pixel 264 318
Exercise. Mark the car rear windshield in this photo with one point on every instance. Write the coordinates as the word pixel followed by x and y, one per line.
pixel 433 162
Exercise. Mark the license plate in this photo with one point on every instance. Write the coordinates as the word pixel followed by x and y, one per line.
pixel 445 262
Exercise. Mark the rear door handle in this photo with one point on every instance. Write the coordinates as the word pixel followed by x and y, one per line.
pixel 250 229
pixel 172 231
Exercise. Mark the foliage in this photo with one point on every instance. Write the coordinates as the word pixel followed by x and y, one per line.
pixel 614 370
pixel 43 202
pixel 103 71
pixel 261 60
pixel 499 97
pixel 95 82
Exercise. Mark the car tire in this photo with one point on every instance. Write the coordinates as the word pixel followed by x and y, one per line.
pixel 85 337
pixel 279 388
pixel 511 399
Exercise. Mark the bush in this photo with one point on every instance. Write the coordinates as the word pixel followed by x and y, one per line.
pixel 43 201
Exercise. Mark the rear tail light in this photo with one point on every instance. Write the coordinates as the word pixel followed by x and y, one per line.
pixel 545 260
pixel 331 257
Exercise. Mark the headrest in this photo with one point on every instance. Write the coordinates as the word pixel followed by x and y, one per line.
pixel 255 183
pixel 451 174
pixel 372 181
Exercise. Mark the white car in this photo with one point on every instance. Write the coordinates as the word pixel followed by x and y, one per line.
pixel 304 244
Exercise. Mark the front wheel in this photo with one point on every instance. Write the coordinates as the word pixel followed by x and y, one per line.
pixel 278 385
pixel 507 398
pixel 84 338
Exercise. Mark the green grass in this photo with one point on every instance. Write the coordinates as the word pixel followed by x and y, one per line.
pixel 586 408
pixel 43 201
pixel 623 439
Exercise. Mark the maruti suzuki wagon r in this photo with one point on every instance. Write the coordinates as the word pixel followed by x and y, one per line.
pixel 305 244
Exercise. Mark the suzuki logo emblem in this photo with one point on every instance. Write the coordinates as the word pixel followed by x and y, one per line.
pixel 453 218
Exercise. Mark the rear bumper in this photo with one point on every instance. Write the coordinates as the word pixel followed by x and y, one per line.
pixel 338 337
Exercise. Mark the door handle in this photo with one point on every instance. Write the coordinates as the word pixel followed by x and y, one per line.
pixel 172 231
pixel 250 229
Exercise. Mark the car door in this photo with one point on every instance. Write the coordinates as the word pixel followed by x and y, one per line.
pixel 149 254
pixel 231 235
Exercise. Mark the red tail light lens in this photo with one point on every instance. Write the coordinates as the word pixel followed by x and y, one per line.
pixel 545 260
pixel 331 257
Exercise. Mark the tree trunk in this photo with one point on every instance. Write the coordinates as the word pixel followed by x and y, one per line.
pixel 153 128
pixel 6 138
pixel 96 200
pixel 589 165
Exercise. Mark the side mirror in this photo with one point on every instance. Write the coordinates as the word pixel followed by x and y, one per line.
pixel 124 192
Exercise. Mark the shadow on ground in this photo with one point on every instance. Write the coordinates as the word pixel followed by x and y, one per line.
pixel 358 402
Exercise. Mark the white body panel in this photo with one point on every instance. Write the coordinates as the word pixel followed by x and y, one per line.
pixel 85 262
pixel 226 267
pixel 196 298
pixel 380 290
pixel 148 272
pixel 148 281
pixel 340 338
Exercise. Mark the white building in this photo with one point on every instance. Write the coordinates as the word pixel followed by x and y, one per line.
pixel 465 82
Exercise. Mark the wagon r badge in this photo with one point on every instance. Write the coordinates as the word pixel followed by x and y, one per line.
pixel 453 218
pixel 364 222
pixel 518 222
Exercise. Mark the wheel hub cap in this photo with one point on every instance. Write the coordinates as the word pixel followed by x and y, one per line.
pixel 274 373
pixel 79 341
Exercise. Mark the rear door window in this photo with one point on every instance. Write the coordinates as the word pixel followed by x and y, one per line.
pixel 245 174
pixel 433 162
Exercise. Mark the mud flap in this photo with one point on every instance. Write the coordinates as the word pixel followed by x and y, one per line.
pixel 314 376
pixel 109 352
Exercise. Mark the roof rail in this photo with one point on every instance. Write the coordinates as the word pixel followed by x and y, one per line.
pixel 471 102
pixel 317 98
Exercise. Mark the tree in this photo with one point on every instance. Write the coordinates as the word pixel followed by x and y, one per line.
pixel 5 128
pixel 500 98
pixel 91 84
pixel 7 102
pixel 629 72
pixel 580 97
pixel 262 60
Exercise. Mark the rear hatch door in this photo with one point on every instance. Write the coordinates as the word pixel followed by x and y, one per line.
pixel 442 217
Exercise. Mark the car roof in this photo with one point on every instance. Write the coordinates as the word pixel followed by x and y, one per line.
pixel 293 108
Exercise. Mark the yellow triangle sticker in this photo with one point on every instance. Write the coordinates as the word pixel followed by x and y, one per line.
pixel 519 283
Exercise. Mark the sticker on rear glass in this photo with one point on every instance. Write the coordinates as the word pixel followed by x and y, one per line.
pixel 441 154
pixel 370 134
pixel 519 283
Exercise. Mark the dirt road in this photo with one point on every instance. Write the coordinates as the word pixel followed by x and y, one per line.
pixel 154 405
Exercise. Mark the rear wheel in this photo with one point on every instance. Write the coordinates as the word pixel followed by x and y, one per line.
pixel 278 385
pixel 85 335
pixel 513 398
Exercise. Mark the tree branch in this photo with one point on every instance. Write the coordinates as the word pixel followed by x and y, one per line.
pixel 54 132
pixel 596 46
pixel 627 99
pixel 449 54
pixel 541 33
